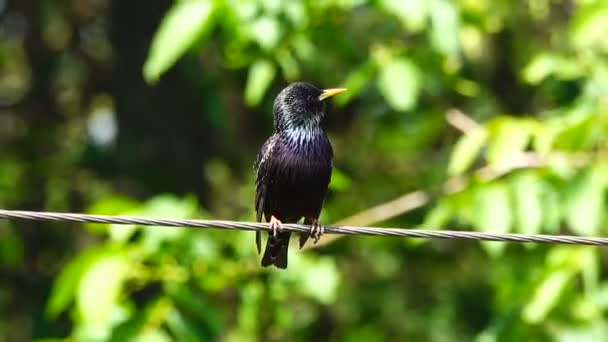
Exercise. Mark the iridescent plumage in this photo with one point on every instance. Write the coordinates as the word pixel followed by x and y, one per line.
pixel 293 167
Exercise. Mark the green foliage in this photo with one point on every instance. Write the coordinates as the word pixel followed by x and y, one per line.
pixel 527 156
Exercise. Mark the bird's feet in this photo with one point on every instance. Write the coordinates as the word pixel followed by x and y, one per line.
pixel 316 230
pixel 275 226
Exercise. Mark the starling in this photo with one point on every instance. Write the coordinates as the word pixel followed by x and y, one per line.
pixel 293 168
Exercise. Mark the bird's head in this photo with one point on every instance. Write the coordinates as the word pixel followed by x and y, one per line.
pixel 301 105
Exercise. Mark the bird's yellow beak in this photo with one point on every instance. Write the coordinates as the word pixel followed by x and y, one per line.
pixel 331 92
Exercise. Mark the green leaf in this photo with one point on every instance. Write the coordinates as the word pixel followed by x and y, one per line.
pixel 440 215
pixel 546 64
pixel 399 83
pixel 584 202
pixel 552 213
pixel 508 139
pixel 166 206
pixel 546 295
pixel 466 150
pixel 527 188
pixel 183 328
pixel 100 287
pixel 261 74
pixel 339 180
pixel 66 284
pixel 153 335
pixel 355 82
pixel 562 264
pixel 185 22
pixel 445 27
pixel 113 205
pixel 411 13
pixel 590 24
pixel 316 277
pixel 266 31
pixel 493 213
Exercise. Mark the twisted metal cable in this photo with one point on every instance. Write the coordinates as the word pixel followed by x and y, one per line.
pixel 347 230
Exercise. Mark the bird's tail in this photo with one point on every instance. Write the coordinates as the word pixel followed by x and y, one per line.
pixel 276 250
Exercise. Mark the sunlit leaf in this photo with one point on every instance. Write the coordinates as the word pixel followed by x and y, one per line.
pixel 412 13
pixel 399 83
pixel 166 206
pixel 316 277
pixel 509 138
pixel 66 284
pixel 251 300
pixel 527 188
pixel 466 151
pixel 562 264
pixel 546 296
pixel 153 335
pixel 439 215
pixel 493 213
pixel 339 180
pixel 355 82
pixel 552 213
pixel 266 31
pixel 261 74
pixel 100 287
pixel 445 26
pixel 590 24
pixel 185 22
pixel 584 203
pixel 546 64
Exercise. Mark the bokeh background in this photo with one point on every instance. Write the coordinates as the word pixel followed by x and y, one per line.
pixel 470 114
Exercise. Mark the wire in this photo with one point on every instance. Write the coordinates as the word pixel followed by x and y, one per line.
pixel 346 230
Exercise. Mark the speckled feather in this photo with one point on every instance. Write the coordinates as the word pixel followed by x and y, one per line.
pixel 293 167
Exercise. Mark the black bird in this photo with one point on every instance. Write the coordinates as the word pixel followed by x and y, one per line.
pixel 293 168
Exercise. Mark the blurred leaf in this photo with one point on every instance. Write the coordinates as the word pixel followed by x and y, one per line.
pixel 412 13
pixel 183 329
pixel 589 24
pixel 466 150
pixel 528 189
pixel 584 202
pixel 114 205
pixel 185 22
pixel 439 216
pixel 399 83
pixel 261 74
pixel 493 213
pixel 316 277
pixel 445 28
pixel 166 206
pixel 266 31
pixel 199 308
pixel 339 180
pixel 289 65
pixel 546 295
pixel 100 287
pixel 509 138
pixel 562 264
pixel 355 83
pixel 153 335
pixel 545 64
pixel 552 213
pixel 67 283
pixel 251 300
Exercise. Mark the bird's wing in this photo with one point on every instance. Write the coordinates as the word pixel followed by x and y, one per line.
pixel 262 167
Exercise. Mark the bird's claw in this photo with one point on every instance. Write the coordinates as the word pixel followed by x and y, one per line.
pixel 275 226
pixel 316 230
